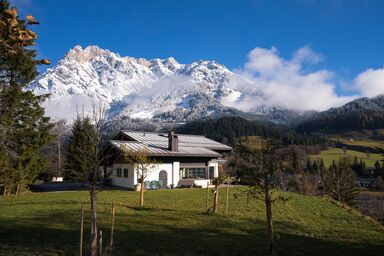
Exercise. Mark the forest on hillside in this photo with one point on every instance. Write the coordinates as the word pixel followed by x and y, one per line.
pixel 227 129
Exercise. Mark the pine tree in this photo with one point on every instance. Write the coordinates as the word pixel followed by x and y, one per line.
pixel 309 165
pixel 321 174
pixel 23 124
pixel 83 163
pixel 81 150
pixel 315 167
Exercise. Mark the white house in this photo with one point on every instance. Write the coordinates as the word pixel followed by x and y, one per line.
pixel 183 160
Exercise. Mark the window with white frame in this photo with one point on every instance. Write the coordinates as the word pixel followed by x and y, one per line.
pixel 193 173
pixel 125 173
pixel 118 172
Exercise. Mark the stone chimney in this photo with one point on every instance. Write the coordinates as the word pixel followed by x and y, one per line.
pixel 173 141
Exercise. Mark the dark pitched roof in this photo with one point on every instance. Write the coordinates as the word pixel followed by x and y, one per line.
pixel 133 146
pixel 185 140
pixel 156 144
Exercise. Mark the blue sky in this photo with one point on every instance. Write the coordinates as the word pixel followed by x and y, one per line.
pixel 348 34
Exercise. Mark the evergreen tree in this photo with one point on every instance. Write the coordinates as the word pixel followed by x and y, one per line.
pixel 81 150
pixel 322 174
pixel 355 164
pixel 333 166
pixel 23 124
pixel 315 167
pixel 309 165
pixel 321 167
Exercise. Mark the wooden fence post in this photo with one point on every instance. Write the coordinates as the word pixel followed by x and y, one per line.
pixel 112 225
pixel 216 198
pixel 101 242
pixel 227 198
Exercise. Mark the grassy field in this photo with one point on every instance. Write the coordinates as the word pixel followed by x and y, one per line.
pixel 365 143
pixel 174 222
pixel 331 154
pixel 253 142
pixel 336 153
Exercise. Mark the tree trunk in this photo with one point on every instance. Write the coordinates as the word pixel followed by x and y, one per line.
pixel 216 201
pixel 227 198
pixel 268 208
pixel 81 230
pixel 18 189
pixel 142 193
pixel 207 198
pixel 93 245
pixel 59 156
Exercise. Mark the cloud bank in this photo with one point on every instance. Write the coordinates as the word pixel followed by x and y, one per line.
pixel 370 83
pixel 291 83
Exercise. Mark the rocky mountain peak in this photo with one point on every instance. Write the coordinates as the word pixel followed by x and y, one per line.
pixel 87 54
pixel 139 88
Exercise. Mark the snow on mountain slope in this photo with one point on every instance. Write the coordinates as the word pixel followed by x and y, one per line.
pixel 138 88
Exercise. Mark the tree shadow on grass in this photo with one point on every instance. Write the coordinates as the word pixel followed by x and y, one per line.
pixel 164 233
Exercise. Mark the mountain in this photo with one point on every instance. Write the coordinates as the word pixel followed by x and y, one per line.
pixel 162 90
pixel 360 114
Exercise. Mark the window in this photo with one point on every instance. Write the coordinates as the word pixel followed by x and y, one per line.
pixel 211 172
pixel 125 172
pixel 193 173
pixel 118 172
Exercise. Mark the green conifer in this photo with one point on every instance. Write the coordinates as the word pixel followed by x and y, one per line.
pixel 23 124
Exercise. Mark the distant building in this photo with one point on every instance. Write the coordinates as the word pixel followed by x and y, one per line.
pixel 184 160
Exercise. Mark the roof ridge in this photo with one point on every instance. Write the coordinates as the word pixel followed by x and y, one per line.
pixel 165 133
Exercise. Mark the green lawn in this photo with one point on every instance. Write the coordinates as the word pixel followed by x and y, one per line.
pixel 174 223
pixel 336 153
pixel 365 143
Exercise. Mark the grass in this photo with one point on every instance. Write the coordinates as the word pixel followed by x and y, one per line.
pixel 174 222
pixel 336 153
pixel 359 134
pixel 365 143
pixel 253 142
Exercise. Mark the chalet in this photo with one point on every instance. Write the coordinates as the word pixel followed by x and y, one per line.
pixel 183 160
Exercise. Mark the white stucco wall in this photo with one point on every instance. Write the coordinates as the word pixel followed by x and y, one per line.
pixel 172 169
pixel 123 181
pixel 175 173
pixel 216 168
pixel 154 174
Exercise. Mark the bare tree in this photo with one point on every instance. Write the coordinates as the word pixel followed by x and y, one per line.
pixel 142 164
pixel 257 168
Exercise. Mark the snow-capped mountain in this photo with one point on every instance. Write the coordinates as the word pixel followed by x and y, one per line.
pixel 160 89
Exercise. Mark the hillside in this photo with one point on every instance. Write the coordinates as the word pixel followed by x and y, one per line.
pixel 360 114
pixel 48 224
pixel 227 129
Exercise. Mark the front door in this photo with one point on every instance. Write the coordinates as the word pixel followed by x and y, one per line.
pixel 163 179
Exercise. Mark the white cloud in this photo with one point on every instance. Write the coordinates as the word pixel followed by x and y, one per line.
pixel 68 107
pixel 283 82
pixel 370 83
pixel 306 55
